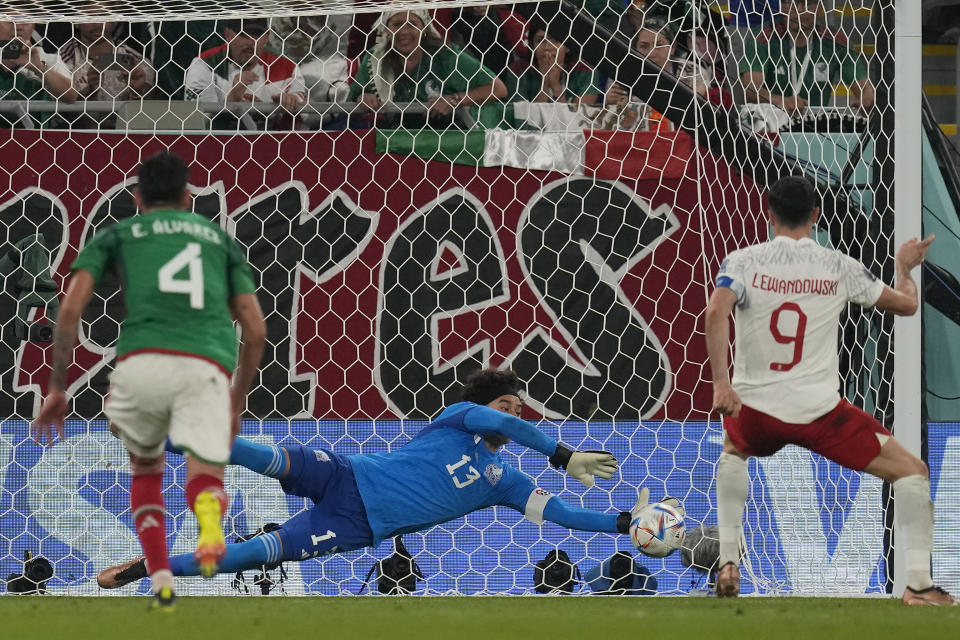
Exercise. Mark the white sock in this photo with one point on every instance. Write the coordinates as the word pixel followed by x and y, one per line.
pixel 914 520
pixel 733 485
pixel 160 579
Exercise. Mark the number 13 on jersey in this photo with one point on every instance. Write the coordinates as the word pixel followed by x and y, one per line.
pixel 472 474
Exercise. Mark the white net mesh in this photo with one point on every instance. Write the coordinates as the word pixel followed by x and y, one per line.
pixel 165 10
pixel 544 186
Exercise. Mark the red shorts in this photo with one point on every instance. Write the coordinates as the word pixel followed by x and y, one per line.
pixel 847 435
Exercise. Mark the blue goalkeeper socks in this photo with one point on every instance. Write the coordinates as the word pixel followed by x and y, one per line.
pixel 251 554
pixel 268 460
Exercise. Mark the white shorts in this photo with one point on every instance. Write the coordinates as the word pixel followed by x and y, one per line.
pixel 155 395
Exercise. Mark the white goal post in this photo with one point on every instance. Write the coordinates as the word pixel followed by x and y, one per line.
pixel 908 375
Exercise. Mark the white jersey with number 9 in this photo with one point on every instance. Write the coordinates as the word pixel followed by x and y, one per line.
pixel 790 294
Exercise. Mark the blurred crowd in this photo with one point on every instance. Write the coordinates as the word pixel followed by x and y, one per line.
pixel 511 65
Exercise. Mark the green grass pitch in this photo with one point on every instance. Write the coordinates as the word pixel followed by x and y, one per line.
pixel 465 618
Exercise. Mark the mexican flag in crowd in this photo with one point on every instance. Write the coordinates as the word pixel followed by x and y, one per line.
pixel 588 152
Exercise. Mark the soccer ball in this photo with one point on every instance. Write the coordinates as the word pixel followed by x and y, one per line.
pixel 658 530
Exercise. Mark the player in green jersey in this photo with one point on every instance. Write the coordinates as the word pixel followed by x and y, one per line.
pixel 184 281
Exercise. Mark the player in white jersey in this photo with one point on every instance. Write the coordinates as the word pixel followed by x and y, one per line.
pixel 788 294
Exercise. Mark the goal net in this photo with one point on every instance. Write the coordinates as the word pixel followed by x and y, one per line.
pixel 546 186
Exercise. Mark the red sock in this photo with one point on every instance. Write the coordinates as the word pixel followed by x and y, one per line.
pixel 203 482
pixel 146 502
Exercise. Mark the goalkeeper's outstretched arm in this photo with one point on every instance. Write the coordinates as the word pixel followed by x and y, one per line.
pixel 538 505
pixel 558 511
pixel 582 465
pixel 482 420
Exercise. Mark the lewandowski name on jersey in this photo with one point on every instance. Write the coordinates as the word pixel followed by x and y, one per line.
pixel 815 286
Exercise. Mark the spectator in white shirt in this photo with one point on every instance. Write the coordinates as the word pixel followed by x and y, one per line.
pixel 103 69
pixel 242 71
pixel 318 44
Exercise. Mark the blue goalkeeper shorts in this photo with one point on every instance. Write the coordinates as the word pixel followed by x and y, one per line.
pixel 338 520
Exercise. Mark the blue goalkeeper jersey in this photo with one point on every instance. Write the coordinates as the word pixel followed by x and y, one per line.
pixel 447 471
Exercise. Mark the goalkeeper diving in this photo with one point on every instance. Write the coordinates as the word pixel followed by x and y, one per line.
pixel 452 467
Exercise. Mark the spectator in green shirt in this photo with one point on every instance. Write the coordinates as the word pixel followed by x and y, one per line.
pixel 795 63
pixel 555 73
pixel 410 62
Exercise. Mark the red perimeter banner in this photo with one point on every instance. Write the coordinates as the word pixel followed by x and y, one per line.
pixel 386 279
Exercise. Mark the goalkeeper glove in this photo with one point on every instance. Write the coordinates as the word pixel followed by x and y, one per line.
pixel 676 504
pixel 626 517
pixel 583 465
pixel 643 503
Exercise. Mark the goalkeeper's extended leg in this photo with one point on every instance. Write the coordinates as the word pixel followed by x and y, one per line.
pixel 268 460
pixel 302 471
pixel 337 524
pixel 251 554
pixel 733 484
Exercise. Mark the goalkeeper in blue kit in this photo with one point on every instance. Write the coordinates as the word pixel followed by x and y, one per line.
pixel 451 468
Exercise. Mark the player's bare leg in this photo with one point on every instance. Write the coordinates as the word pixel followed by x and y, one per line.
pixel 146 502
pixel 733 485
pixel 914 519
pixel 206 497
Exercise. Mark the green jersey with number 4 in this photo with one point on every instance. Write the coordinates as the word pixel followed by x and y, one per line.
pixel 178 271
